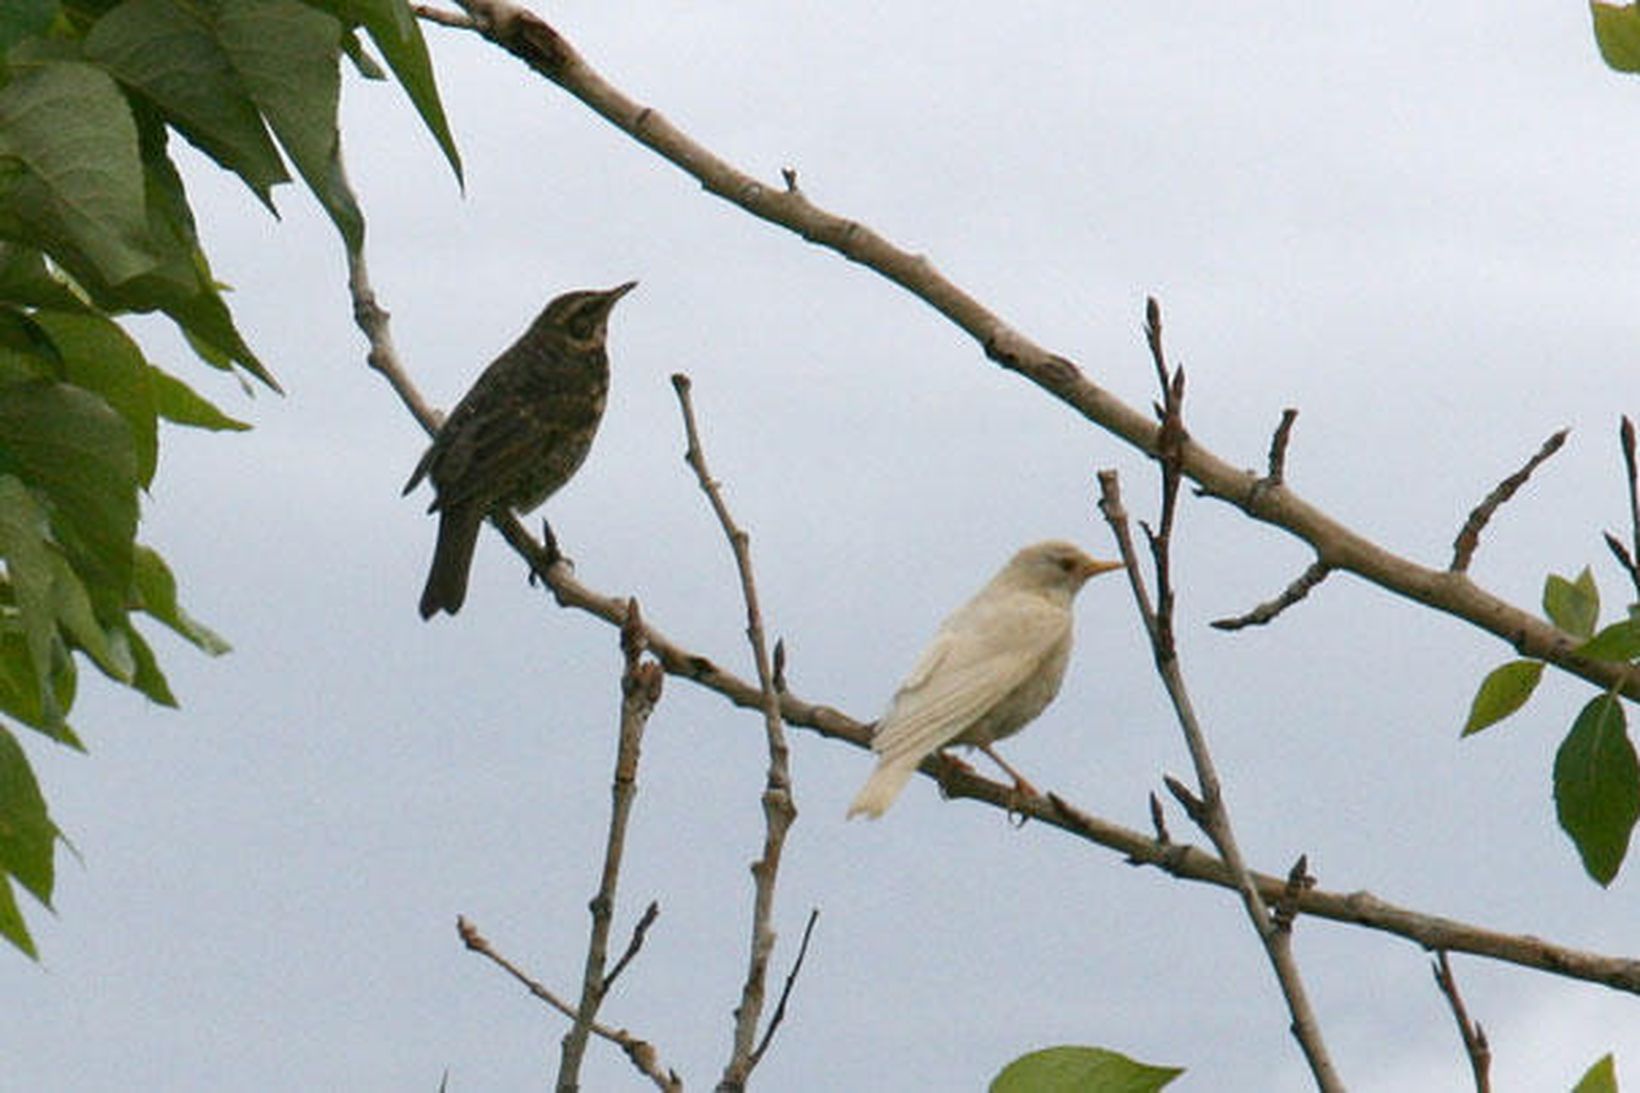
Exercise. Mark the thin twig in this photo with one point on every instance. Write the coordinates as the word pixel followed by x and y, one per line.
pixel 634 944
pixel 779 1013
pixel 778 808
pixel 640 691
pixel 640 1052
pixel 453 19
pixel 1212 815
pixel 1628 556
pixel 535 42
pixel 1463 547
pixel 1474 1037
pixel 1277 474
pixel 1269 609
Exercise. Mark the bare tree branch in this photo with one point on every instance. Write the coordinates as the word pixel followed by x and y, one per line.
pixel 958 781
pixel 537 44
pixel 1628 556
pixel 778 808
pixel 640 691
pixel 1269 609
pixel 779 1013
pixel 640 1052
pixel 1212 814
pixel 1474 1037
pixel 1463 547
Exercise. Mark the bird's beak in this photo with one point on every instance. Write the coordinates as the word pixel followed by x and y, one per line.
pixel 620 290
pixel 1094 567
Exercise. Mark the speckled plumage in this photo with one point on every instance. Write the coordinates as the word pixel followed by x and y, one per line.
pixel 523 429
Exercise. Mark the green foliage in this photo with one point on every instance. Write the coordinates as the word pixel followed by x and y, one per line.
pixel 1617 32
pixel 95 223
pixel 1504 690
pixel 1599 1078
pixel 1596 775
pixel 1597 786
pixel 1072 1069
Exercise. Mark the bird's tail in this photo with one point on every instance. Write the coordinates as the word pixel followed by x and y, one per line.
pixel 447 580
pixel 881 788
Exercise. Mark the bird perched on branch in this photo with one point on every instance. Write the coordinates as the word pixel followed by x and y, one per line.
pixel 518 435
pixel 995 664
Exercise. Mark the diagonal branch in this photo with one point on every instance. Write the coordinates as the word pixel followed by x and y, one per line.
pixel 1469 538
pixel 531 39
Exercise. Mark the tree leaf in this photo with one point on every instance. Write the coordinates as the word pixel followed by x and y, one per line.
pixel 21 19
pixel 1073 1069
pixel 1597 787
pixel 182 405
pixel 289 56
pixel 1572 605
pixel 27 835
pixel 1619 641
pixel 1599 1078
pixel 20 691
pixel 80 186
pixel 100 357
pixel 1617 32
pixel 172 53
pixel 393 27
pixel 71 449
pixel 24 524
pixel 157 595
pixel 1504 690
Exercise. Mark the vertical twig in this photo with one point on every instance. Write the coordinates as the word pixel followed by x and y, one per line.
pixel 1208 809
pixel 778 808
pixel 1628 556
pixel 1474 1037
pixel 640 690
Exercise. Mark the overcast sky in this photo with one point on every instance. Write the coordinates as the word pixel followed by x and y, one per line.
pixel 1412 222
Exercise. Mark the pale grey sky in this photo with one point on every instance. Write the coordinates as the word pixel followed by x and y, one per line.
pixel 1409 221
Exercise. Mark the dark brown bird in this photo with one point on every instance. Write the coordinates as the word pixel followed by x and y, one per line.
pixel 518 435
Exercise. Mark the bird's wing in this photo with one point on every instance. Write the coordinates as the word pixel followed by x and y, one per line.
pixel 980 656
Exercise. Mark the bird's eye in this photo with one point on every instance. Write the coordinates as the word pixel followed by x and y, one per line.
pixel 584 324
pixel 1067 564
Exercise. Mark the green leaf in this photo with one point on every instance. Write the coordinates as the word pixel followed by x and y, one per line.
pixel 397 34
pixel 24 524
pixel 1071 1069
pixel 1573 605
pixel 12 926
pixel 171 52
pixel 71 449
pixel 21 19
pixel 20 692
pixel 157 595
pixel 1617 32
pixel 1597 787
pixel 288 55
pixel 1620 641
pixel 1599 1078
pixel 182 405
pixel 27 835
pixel 100 357
pixel 79 185
pixel 1504 690
pixel 148 678
pixel 24 279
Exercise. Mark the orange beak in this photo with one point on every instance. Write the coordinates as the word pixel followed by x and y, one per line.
pixel 1096 567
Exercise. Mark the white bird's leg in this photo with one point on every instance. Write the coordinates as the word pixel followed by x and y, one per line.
pixel 1022 785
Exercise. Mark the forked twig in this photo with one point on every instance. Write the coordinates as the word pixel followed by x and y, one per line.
pixel 641 1052
pixel 640 691
pixel 778 808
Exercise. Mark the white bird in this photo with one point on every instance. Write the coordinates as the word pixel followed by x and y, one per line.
pixel 995 664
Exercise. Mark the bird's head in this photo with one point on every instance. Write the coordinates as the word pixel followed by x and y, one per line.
pixel 1055 567
pixel 582 317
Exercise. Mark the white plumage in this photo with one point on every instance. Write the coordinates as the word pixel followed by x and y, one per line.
pixel 995 664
